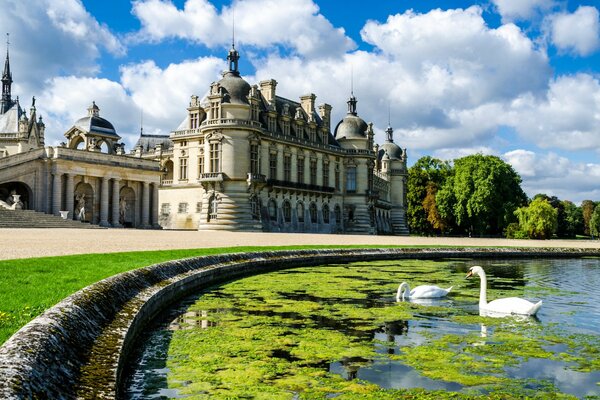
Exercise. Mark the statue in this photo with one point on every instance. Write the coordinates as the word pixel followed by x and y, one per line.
pixel 81 207
pixel 122 210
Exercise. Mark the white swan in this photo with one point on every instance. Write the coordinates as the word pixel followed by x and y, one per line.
pixel 420 292
pixel 509 305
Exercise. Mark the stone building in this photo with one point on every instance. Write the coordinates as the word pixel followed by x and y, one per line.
pixel 87 178
pixel 247 159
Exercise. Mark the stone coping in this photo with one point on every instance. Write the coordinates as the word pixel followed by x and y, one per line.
pixel 79 347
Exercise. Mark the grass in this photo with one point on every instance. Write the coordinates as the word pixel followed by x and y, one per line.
pixel 30 286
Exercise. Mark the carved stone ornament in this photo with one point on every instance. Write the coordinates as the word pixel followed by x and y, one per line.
pixel 214 136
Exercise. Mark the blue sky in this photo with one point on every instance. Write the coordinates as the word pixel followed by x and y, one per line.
pixel 514 78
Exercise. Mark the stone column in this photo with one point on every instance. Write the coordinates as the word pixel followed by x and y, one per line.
pixel 145 205
pixel 70 196
pixel 104 202
pixel 155 206
pixel 56 193
pixel 115 204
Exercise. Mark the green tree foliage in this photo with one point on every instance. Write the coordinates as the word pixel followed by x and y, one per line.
pixel 539 220
pixel 430 206
pixel 482 195
pixel 595 223
pixel 573 219
pixel 425 171
pixel 587 207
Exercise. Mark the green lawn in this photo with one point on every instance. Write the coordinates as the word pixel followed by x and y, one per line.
pixel 30 286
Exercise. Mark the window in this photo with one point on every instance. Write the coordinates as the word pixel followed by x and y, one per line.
pixel 351 179
pixel 287 211
pixel 287 167
pixel 255 207
pixel 193 121
pixel 325 174
pixel 199 207
pixel 337 177
pixel 325 213
pixel 273 165
pixel 313 171
pixel 200 166
pixel 215 164
pixel 183 143
pixel 254 159
pixel 338 214
pixel 213 208
pixel 312 211
pixel 300 211
pixel 300 170
pixel 183 164
pixel 165 209
pixel 272 210
pixel 183 208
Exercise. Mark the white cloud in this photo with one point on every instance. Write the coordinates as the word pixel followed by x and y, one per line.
pixel 555 175
pixel 578 32
pixel 260 23
pixel 567 118
pixel 452 154
pixel 521 9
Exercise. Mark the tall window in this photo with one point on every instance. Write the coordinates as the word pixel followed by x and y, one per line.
pixel 325 174
pixel 337 176
pixel 215 162
pixel 183 171
pixel 312 211
pixel 200 166
pixel 165 209
pixel 287 211
pixel 213 208
pixel 300 170
pixel 338 214
pixel 183 208
pixel 273 165
pixel 193 121
pixel 287 167
pixel 351 179
pixel 325 211
pixel 300 211
pixel 255 205
pixel 254 159
pixel 272 207
pixel 313 171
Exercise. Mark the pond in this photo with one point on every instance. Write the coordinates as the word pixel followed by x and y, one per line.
pixel 336 331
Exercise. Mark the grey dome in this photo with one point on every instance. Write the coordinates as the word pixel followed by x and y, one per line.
pixel 95 124
pixel 236 90
pixel 392 149
pixel 351 127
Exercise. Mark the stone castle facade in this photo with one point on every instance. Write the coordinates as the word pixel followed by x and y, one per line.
pixel 246 159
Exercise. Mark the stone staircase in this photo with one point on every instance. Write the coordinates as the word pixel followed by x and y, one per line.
pixel 35 219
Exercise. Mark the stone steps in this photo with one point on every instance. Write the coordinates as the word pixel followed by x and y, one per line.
pixel 35 219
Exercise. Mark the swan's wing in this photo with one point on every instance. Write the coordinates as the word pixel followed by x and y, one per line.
pixel 513 305
pixel 427 292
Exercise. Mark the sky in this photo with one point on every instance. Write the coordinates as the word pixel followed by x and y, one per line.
pixel 519 79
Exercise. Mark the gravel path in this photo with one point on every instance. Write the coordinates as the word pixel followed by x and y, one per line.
pixel 24 243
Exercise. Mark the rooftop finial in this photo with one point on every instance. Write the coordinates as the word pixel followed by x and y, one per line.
pixel 232 27
pixel 389 131
pixel 233 55
pixel 351 80
pixel 141 122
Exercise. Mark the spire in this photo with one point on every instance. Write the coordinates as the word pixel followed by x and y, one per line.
pixel 352 100
pixel 141 122
pixel 233 55
pixel 389 131
pixel 6 102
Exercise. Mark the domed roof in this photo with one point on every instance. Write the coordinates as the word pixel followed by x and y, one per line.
pixel 390 148
pixel 94 123
pixel 236 90
pixel 351 126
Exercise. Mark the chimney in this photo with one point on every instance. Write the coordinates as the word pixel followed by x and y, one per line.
pixel 267 89
pixel 308 104
pixel 325 114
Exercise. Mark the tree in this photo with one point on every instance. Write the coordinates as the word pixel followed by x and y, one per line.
pixel 539 220
pixel 587 207
pixel 426 170
pixel 431 210
pixel 482 194
pixel 562 227
pixel 573 218
pixel 595 223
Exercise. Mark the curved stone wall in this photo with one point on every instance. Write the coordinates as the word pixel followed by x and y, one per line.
pixel 77 349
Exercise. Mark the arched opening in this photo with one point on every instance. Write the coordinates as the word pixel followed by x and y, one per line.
pixel 23 194
pixel 213 208
pixel 78 143
pixel 255 207
pixel 338 214
pixel 325 214
pixel 287 211
pixel 300 211
pixel 103 147
pixel 127 207
pixel 168 172
pixel 272 208
pixel 84 202
pixel 312 211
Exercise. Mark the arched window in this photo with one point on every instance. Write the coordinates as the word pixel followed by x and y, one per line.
pixel 255 207
pixel 312 210
pixel 300 211
pixel 325 214
pixel 287 211
pixel 213 207
pixel 338 214
pixel 272 210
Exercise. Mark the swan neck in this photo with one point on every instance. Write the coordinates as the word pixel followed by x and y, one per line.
pixel 483 289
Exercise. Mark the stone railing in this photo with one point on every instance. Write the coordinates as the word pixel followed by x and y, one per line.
pixel 211 177
pixel 166 182
pixel 16 159
pixel 79 348
pixel 102 158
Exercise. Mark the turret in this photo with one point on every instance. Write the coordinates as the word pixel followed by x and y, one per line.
pixel 6 103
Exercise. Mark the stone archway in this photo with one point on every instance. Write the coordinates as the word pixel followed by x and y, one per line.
pixel 84 198
pixel 21 190
pixel 127 216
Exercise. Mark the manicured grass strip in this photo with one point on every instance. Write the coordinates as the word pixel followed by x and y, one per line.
pixel 31 285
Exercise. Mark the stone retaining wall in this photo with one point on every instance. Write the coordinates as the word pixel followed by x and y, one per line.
pixel 78 348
